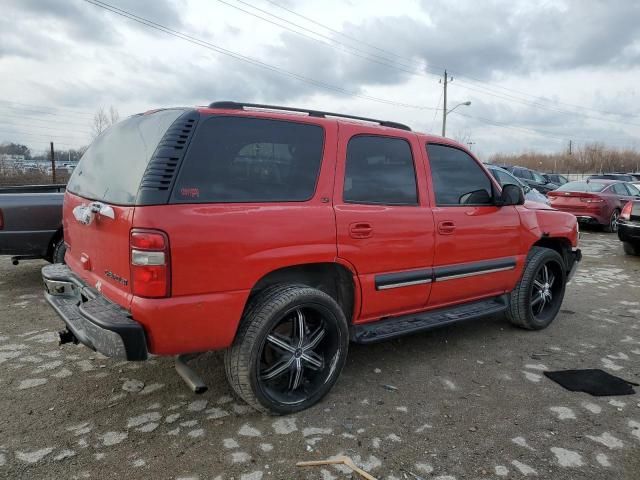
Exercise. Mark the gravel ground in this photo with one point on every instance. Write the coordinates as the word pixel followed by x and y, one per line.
pixel 466 402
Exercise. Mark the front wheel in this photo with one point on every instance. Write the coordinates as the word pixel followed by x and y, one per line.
pixel 612 226
pixel 536 300
pixel 289 350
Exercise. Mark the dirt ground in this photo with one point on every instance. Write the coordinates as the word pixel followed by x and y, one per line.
pixel 468 401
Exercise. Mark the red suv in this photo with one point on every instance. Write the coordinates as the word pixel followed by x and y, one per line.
pixel 279 235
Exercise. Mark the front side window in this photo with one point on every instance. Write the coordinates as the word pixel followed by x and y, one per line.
pixel 457 177
pixel 241 159
pixel 379 170
pixel 538 178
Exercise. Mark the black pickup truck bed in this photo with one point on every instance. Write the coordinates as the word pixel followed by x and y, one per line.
pixel 31 222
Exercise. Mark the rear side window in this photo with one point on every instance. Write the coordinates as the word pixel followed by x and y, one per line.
pixel 240 159
pixel 112 167
pixel 457 177
pixel 379 170
pixel 619 189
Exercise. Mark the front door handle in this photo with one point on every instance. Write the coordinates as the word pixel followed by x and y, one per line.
pixel 360 230
pixel 446 228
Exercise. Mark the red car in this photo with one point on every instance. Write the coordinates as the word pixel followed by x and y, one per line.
pixel 279 235
pixel 596 202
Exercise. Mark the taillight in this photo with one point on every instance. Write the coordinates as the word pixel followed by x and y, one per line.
pixel 626 211
pixel 150 262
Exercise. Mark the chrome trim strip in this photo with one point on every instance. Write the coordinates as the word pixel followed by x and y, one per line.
pixel 473 274
pixel 404 284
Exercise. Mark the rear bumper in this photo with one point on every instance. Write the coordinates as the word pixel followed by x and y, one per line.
pixel 96 322
pixel 629 231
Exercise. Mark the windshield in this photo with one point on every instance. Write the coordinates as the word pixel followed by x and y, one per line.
pixel 112 167
pixel 538 178
pixel 583 187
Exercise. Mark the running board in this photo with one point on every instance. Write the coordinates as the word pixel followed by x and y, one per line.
pixel 396 326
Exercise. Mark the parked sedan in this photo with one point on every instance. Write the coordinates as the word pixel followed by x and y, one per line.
pixel 504 178
pixel 594 201
pixel 629 228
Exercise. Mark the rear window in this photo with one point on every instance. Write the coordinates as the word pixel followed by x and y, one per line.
pixel 240 159
pixel 583 187
pixel 112 167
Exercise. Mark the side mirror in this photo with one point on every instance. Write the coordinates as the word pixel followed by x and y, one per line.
pixel 511 195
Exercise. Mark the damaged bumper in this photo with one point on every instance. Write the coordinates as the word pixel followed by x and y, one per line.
pixel 93 320
pixel 573 260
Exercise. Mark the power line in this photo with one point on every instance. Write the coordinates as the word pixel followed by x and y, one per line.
pixel 30 118
pixel 65 130
pixel 43 108
pixel 244 58
pixel 487 89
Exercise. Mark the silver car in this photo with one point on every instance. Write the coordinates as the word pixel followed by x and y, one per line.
pixel 503 177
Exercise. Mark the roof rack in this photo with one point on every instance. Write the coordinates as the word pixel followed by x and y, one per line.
pixel 312 113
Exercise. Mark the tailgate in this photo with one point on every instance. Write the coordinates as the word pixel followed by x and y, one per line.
pixel 99 252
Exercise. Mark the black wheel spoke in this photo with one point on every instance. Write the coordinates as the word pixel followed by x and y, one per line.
pixel 313 360
pixel 296 377
pixel 278 369
pixel 314 339
pixel 280 342
pixel 299 327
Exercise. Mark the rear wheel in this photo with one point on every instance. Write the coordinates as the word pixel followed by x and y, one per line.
pixel 537 298
pixel 289 350
pixel 612 226
pixel 631 249
pixel 58 251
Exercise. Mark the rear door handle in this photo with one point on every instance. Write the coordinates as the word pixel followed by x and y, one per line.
pixel 446 228
pixel 360 230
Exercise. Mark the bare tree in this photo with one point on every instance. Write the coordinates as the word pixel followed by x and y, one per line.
pixel 103 120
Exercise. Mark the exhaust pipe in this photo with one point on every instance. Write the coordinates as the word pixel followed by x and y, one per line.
pixel 191 378
pixel 66 336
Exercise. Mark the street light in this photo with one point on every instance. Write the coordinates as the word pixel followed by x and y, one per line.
pixel 446 112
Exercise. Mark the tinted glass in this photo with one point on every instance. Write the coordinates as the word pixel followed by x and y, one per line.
pixel 538 178
pixel 582 187
pixel 619 189
pixel 112 167
pixel 239 159
pixel 522 173
pixel 633 190
pixel 457 177
pixel 380 170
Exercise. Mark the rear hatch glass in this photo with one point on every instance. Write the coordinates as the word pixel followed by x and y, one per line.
pixel 111 169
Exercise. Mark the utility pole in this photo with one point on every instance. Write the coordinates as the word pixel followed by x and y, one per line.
pixel 470 143
pixel 444 107
pixel 53 164
pixel 570 145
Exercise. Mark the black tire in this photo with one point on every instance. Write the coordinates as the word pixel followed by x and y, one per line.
pixel 532 290
pixel 631 249
pixel 58 251
pixel 612 226
pixel 262 367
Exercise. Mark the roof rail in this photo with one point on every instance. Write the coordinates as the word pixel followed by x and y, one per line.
pixel 312 113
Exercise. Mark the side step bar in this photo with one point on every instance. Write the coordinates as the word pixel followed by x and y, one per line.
pixel 396 326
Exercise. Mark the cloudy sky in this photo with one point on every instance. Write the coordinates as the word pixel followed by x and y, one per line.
pixel 538 74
